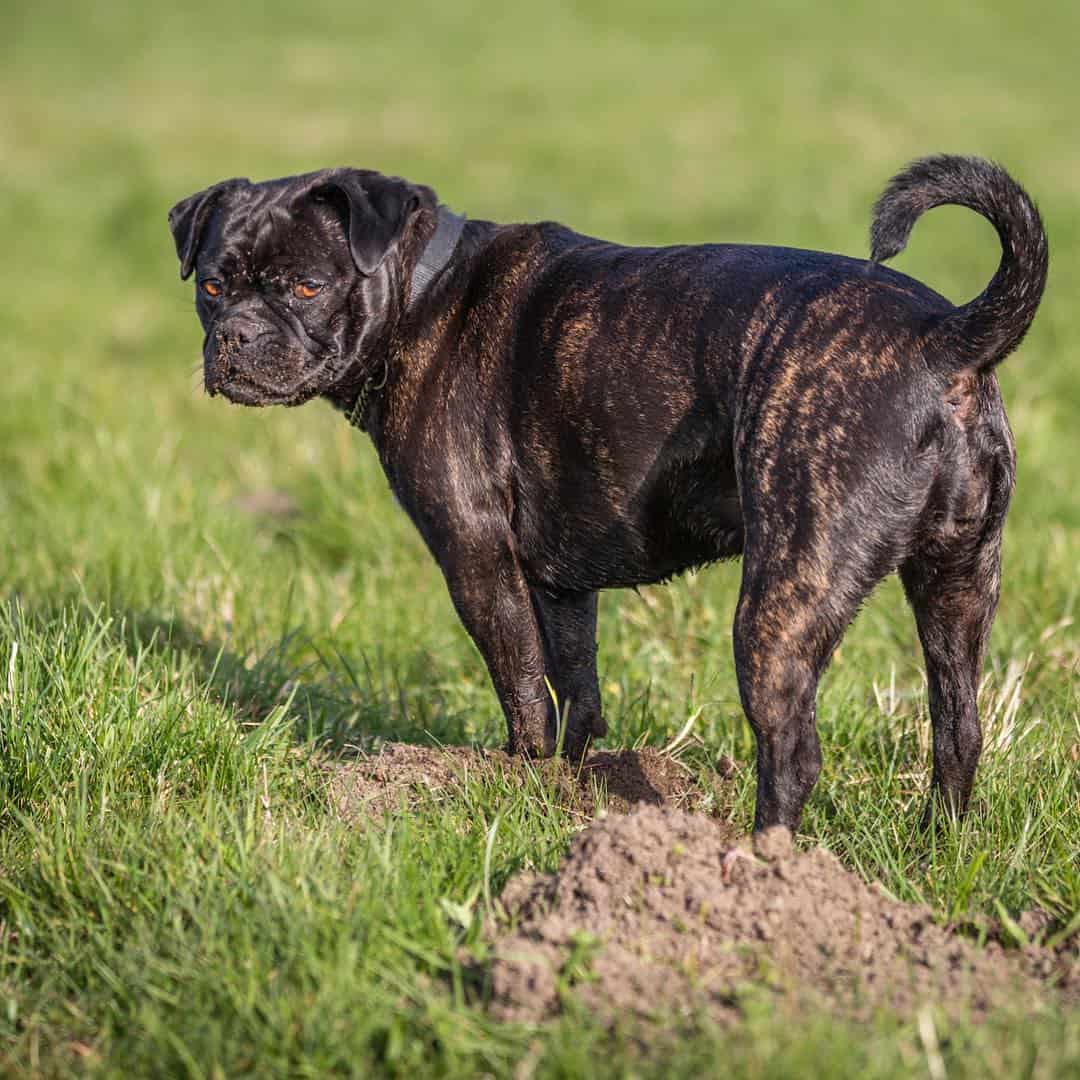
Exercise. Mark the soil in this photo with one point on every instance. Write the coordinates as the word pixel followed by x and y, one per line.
pixel 656 911
pixel 659 908
pixel 615 780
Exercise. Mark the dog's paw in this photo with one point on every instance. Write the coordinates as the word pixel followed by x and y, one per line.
pixel 532 741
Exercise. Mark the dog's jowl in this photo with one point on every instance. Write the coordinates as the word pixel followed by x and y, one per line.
pixel 560 415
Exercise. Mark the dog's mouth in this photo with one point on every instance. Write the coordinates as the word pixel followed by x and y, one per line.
pixel 242 392
pixel 275 377
pixel 244 389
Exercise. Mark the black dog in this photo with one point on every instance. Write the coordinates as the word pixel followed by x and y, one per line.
pixel 560 415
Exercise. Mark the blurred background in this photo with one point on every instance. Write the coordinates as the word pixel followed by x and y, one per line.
pixel 272 533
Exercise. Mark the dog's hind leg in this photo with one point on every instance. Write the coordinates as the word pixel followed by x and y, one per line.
pixel 797 599
pixel 954 595
pixel 568 631
pixel 782 642
pixel 952 579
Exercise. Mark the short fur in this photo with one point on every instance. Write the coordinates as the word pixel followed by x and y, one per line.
pixel 560 415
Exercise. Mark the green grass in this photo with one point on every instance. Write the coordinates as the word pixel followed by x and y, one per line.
pixel 175 895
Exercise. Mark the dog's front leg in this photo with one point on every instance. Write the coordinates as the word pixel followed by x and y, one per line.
pixel 494 604
pixel 568 629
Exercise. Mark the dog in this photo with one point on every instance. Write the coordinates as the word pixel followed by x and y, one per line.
pixel 560 415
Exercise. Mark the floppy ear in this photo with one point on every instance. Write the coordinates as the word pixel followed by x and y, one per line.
pixel 188 219
pixel 377 207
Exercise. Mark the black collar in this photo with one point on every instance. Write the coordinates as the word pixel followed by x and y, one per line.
pixel 437 253
pixel 432 262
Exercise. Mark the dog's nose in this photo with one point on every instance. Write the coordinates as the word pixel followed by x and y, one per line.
pixel 239 331
pixel 234 336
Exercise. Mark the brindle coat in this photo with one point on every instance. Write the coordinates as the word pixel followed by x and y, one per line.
pixel 560 415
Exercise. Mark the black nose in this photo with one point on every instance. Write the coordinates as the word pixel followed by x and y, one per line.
pixel 235 335
pixel 241 327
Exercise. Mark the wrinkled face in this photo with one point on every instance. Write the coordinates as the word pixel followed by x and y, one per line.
pixel 292 278
pixel 274 299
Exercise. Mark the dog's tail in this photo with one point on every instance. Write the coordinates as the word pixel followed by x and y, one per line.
pixel 983 332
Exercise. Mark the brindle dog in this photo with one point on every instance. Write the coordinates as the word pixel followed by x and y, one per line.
pixel 560 415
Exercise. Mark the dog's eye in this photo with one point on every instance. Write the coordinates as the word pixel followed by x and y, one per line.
pixel 212 287
pixel 307 290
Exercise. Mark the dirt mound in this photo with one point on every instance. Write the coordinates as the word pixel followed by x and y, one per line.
pixel 617 780
pixel 655 911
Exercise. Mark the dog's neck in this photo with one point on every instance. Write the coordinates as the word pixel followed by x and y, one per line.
pixel 429 265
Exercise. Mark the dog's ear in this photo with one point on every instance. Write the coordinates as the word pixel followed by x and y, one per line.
pixel 188 219
pixel 377 208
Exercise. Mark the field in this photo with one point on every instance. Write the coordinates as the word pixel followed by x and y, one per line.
pixel 206 612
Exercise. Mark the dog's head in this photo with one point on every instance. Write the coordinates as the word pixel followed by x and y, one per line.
pixel 297 279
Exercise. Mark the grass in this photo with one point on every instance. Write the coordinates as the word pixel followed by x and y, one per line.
pixel 175 897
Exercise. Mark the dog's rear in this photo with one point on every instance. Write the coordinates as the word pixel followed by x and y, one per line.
pixel 917 475
pixel 952 578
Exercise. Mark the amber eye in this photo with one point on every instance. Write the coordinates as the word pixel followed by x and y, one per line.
pixel 212 287
pixel 307 290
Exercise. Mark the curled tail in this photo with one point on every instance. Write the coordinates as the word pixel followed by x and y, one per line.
pixel 984 331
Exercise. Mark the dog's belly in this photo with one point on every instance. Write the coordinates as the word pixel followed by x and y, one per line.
pixel 584 532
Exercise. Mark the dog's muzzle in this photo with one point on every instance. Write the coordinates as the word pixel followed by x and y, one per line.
pixel 250 363
pixel 224 356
